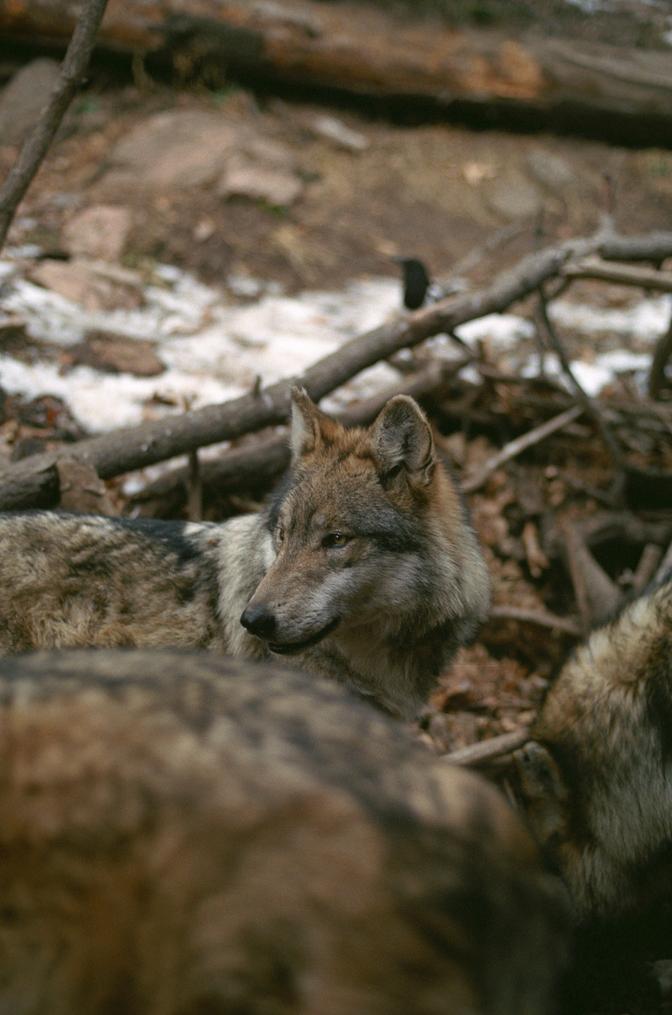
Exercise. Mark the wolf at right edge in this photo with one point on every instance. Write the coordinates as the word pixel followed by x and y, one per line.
pixel 364 567
pixel 596 779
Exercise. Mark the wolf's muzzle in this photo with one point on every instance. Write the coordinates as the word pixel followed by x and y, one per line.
pixel 289 648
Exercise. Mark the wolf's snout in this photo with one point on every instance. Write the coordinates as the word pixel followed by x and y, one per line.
pixel 259 620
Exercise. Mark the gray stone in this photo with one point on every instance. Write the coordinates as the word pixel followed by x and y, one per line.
pixel 117 354
pixel 176 149
pixel 551 171
pixel 92 286
pixel 22 100
pixel 334 130
pixel 260 183
pixel 513 197
pixel 100 231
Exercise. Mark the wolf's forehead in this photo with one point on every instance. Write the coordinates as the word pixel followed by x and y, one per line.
pixel 328 494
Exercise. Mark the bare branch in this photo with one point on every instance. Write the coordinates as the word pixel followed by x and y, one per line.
pixel 589 404
pixel 540 617
pixel 33 482
pixel 32 153
pixel 520 444
pixel 487 750
pixel 646 278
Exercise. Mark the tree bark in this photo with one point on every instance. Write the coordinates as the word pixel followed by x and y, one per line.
pixel 354 49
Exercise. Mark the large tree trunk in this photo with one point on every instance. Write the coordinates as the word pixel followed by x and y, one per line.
pixel 369 52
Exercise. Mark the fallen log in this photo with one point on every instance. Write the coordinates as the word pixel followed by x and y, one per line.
pixel 33 482
pixel 353 49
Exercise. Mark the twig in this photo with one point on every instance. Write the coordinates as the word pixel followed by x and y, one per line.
pixel 595 593
pixel 540 617
pixel 665 565
pixel 487 750
pixel 194 489
pixel 37 144
pixel 646 278
pixel 646 567
pixel 588 403
pixel 520 444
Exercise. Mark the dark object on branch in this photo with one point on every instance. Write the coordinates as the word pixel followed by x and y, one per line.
pixel 36 146
pixel 415 280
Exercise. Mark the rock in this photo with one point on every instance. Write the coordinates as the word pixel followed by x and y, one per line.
pixel 175 149
pixel 513 197
pixel 100 231
pixel 260 183
pixel 552 171
pixel 117 354
pixel 338 133
pixel 21 101
pixel 262 170
pixel 93 286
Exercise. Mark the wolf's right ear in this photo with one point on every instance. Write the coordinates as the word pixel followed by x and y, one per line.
pixel 402 438
pixel 308 424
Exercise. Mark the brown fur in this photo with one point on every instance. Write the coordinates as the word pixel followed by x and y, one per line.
pixel 181 834
pixel 596 781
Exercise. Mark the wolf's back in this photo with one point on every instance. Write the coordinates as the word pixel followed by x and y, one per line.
pixel 597 781
pixel 182 834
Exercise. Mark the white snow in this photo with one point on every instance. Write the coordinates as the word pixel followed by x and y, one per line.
pixel 216 343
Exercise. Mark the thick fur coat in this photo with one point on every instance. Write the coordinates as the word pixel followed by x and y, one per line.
pixel 364 567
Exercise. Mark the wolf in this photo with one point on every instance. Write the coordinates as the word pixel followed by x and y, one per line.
pixel 184 833
pixel 596 780
pixel 363 567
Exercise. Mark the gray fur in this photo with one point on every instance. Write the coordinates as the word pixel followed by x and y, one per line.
pixel 596 782
pixel 389 612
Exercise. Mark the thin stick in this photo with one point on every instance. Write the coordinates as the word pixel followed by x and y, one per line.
pixel 520 444
pixel 194 489
pixel 37 144
pixel 588 403
pixel 487 750
pixel 665 565
pixel 645 278
pixel 540 617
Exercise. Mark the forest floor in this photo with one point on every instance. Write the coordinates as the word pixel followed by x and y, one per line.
pixel 258 199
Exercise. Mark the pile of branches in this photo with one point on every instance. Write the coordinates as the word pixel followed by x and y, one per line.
pixel 572 495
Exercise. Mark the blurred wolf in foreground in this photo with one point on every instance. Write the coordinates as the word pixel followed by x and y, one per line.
pixel 183 834
pixel 597 780
pixel 364 567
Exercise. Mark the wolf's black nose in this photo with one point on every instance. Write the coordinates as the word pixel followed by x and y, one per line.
pixel 259 620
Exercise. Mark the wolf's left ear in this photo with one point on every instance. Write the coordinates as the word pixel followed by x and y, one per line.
pixel 308 423
pixel 402 439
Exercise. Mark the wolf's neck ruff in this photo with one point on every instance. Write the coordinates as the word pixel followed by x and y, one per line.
pixel 363 567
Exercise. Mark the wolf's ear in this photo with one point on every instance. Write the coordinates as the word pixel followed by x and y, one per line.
pixel 402 439
pixel 308 424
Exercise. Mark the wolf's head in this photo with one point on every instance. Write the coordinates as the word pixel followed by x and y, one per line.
pixel 368 530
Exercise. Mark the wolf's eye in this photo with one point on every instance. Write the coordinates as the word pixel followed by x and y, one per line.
pixel 335 539
pixel 280 534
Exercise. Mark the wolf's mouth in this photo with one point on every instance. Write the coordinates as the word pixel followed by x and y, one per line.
pixel 288 648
